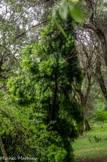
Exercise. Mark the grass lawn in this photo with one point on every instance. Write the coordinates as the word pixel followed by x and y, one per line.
pixel 93 144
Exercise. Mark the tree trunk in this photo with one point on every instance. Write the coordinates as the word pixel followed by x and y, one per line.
pixel 102 36
pixel 100 31
pixel 87 125
pixel 3 150
pixel 100 78
pixel 84 99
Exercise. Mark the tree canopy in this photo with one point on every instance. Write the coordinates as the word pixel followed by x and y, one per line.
pixel 52 76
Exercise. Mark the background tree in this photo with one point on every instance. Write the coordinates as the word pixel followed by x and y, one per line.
pixel 97 19
pixel 94 31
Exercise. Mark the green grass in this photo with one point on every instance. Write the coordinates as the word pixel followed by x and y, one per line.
pixel 92 144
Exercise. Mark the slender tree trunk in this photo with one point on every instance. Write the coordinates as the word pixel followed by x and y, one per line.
pixel 102 36
pixel 84 99
pixel 3 150
pixel 100 78
pixel 87 125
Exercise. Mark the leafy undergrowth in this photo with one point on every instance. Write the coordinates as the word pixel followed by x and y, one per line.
pixel 93 144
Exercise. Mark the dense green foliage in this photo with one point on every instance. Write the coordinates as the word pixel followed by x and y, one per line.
pixel 40 86
pixel 101 116
pixel 41 98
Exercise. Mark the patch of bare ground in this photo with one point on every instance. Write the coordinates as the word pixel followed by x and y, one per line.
pixel 103 159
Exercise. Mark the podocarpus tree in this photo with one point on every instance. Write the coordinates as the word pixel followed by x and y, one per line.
pixel 49 69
